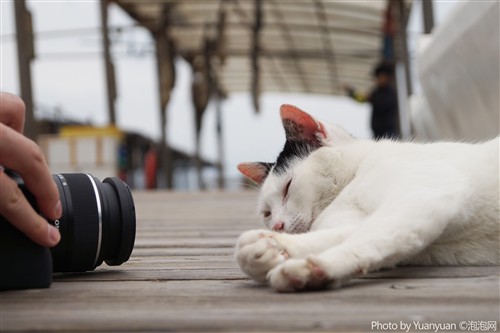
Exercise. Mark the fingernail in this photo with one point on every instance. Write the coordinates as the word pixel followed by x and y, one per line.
pixel 58 209
pixel 54 235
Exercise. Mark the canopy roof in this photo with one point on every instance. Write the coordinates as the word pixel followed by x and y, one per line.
pixel 311 46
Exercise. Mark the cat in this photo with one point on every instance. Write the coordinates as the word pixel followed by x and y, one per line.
pixel 340 207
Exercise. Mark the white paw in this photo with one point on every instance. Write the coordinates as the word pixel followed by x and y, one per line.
pixel 259 251
pixel 298 274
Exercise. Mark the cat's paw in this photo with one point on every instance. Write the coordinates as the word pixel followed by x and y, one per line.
pixel 259 251
pixel 298 274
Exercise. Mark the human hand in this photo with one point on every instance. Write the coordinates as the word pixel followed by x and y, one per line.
pixel 23 156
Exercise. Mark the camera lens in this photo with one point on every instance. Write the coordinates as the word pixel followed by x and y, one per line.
pixel 97 224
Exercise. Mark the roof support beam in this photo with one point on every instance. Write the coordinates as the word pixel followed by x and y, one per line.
pixel 302 27
pixel 368 55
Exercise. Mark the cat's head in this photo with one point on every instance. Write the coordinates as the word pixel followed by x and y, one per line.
pixel 293 192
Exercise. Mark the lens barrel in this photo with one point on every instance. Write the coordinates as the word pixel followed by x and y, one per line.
pixel 97 223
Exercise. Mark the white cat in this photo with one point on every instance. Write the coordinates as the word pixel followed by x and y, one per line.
pixel 341 207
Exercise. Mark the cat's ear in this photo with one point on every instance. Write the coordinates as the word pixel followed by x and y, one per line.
pixel 256 171
pixel 301 126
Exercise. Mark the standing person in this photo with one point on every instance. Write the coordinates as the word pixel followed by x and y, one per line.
pixel 384 102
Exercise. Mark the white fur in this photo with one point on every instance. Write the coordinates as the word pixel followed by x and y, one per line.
pixel 363 205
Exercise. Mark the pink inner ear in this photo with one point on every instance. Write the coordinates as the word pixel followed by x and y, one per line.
pixel 255 171
pixel 299 125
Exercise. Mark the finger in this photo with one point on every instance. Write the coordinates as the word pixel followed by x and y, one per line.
pixel 12 111
pixel 17 210
pixel 26 158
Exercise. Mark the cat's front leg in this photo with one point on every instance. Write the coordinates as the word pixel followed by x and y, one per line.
pixel 259 251
pixel 387 238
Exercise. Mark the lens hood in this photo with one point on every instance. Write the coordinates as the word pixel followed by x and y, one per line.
pixel 127 213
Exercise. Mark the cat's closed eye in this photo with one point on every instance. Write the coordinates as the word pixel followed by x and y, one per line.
pixel 285 192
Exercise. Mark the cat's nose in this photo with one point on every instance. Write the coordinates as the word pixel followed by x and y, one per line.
pixel 279 226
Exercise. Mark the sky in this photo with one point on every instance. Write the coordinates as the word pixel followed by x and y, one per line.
pixel 68 81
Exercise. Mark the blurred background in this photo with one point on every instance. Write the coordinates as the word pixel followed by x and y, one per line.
pixel 174 94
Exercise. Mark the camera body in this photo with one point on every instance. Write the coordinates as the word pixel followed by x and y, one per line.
pixel 97 224
pixel 25 263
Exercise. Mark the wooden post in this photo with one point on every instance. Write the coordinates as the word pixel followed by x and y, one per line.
pixel 166 77
pixel 108 64
pixel 201 91
pixel 25 54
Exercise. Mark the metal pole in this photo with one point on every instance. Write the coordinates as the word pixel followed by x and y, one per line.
pixel 108 64
pixel 403 85
pixel 405 57
pixel 428 15
pixel 25 54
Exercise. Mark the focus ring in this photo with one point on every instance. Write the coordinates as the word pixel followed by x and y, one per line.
pixel 85 222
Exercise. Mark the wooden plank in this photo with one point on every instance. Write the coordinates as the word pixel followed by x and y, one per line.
pixel 241 306
pixel 182 277
pixel 436 272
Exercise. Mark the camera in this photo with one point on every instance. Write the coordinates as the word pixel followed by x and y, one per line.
pixel 97 224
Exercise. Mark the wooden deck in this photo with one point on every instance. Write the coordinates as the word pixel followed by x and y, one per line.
pixel 182 277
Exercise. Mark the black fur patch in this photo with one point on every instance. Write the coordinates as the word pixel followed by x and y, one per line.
pixel 293 150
